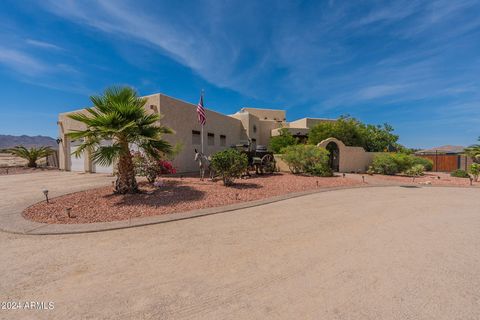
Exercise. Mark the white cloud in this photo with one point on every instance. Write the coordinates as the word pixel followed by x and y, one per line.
pixel 42 44
pixel 22 62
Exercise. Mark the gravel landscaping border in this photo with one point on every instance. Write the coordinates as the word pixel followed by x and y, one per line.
pixel 175 195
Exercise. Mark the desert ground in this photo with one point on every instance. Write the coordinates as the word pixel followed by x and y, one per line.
pixel 372 253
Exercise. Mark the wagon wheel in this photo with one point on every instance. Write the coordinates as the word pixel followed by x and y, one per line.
pixel 268 163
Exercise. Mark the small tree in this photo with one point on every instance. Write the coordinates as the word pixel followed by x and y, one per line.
pixel 229 164
pixel 474 152
pixel 119 115
pixel 32 154
pixel 474 170
pixel 283 140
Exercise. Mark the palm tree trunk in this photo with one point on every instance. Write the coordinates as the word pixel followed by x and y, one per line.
pixel 126 182
pixel 32 163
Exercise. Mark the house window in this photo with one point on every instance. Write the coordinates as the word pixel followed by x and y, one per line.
pixel 196 137
pixel 223 140
pixel 254 128
pixel 211 139
pixel 254 143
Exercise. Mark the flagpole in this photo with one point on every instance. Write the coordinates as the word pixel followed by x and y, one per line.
pixel 202 123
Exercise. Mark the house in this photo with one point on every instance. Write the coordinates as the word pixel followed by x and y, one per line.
pixel 220 132
pixel 446 158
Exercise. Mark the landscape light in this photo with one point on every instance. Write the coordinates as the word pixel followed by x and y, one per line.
pixel 45 192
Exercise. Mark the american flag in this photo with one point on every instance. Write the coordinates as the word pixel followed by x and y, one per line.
pixel 202 118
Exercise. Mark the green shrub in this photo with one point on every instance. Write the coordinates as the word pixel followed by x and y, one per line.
pixel 393 163
pixel 307 159
pixel 415 170
pixel 427 164
pixel 285 139
pixel 459 173
pixel 385 164
pixel 474 170
pixel 229 164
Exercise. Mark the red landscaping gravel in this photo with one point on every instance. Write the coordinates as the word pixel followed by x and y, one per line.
pixel 176 195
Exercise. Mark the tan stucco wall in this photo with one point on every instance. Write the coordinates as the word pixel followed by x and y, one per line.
pixel 308 122
pixel 182 117
pixel 267 114
pixel 352 159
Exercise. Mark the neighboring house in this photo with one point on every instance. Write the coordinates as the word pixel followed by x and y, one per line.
pixel 446 158
pixel 220 132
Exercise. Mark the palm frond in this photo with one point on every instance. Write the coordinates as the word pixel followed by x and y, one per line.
pixel 106 155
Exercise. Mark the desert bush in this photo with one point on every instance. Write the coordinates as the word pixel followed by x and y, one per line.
pixel 285 139
pixel 385 164
pixel 415 170
pixel 459 173
pixel 307 159
pixel 151 168
pixel 229 164
pixel 474 170
pixel 427 164
pixel 393 163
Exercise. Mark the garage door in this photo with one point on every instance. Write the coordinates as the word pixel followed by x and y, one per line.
pixel 103 169
pixel 76 164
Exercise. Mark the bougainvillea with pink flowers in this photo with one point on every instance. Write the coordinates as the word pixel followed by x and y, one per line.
pixel 151 168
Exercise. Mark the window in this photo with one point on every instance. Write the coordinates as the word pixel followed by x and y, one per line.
pixel 223 140
pixel 196 137
pixel 254 128
pixel 211 139
pixel 254 143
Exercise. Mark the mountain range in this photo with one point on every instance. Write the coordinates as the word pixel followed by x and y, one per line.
pixel 8 141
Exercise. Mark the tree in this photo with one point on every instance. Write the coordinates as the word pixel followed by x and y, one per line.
pixel 31 155
pixel 119 115
pixel 473 152
pixel 379 138
pixel 345 129
pixel 352 132
pixel 283 140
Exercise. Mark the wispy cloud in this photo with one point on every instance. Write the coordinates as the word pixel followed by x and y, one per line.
pixel 332 55
pixel 22 62
pixel 42 44
pixel 31 69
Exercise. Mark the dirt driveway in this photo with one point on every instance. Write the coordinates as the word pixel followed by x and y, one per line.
pixel 21 190
pixel 373 253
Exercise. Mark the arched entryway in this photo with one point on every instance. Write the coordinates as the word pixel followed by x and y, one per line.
pixel 334 160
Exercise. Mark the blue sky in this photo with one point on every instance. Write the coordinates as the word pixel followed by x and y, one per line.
pixel 413 64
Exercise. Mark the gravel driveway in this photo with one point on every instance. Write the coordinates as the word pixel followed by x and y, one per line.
pixel 373 253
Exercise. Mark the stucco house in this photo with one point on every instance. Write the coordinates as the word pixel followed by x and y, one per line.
pixel 220 132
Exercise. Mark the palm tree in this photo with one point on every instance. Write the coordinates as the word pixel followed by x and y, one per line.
pixel 473 152
pixel 32 154
pixel 119 115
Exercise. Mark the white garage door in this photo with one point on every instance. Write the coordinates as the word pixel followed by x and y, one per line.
pixel 76 164
pixel 103 169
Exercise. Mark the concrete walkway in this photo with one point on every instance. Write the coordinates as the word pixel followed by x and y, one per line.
pixel 370 253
